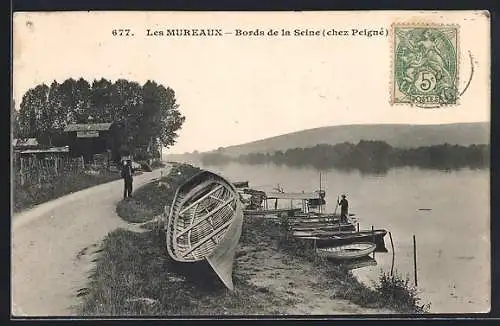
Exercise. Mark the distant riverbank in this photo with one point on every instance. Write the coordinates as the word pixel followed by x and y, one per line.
pixel 366 156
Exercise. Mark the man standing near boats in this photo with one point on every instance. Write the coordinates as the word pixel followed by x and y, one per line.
pixel 344 209
pixel 127 174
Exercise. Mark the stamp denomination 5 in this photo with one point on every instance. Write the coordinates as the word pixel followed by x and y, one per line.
pixel 425 65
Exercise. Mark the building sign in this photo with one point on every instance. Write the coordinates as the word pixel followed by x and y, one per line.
pixel 87 134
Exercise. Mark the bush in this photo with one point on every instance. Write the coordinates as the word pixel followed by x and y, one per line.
pixel 27 196
pixel 400 294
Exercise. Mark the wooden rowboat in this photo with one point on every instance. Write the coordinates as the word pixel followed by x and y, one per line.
pixel 204 223
pixel 241 184
pixel 335 238
pixel 349 251
pixel 270 212
pixel 332 227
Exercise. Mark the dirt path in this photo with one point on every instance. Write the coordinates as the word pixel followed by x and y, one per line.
pixel 294 280
pixel 53 244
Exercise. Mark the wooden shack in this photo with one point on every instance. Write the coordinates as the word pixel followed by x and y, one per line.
pixel 89 139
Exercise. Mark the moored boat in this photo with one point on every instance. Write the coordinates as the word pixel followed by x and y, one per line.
pixel 205 222
pixel 333 227
pixel 240 184
pixel 271 212
pixel 332 238
pixel 347 251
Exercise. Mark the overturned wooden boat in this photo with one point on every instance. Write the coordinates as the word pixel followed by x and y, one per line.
pixel 347 251
pixel 205 222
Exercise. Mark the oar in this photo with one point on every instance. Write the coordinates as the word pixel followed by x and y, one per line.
pixel 336 205
pixel 335 211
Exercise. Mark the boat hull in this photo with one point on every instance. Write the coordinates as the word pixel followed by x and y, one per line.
pixel 264 212
pixel 348 251
pixel 324 227
pixel 326 239
pixel 240 184
pixel 204 223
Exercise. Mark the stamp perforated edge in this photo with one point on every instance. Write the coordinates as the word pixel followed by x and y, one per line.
pixel 392 81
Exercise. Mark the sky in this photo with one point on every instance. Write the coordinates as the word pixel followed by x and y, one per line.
pixel 236 89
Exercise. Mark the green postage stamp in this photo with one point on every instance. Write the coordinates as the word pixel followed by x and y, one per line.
pixel 425 65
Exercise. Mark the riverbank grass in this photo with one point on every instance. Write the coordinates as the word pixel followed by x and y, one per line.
pixel 390 291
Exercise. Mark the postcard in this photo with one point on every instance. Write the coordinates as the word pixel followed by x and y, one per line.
pixel 251 164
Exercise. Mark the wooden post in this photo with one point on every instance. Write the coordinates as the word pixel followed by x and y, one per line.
pixel 55 165
pixel 21 171
pixel 315 250
pixel 415 259
pixel 373 240
pixel 392 246
pixel 39 168
pixel 357 226
pixel 319 194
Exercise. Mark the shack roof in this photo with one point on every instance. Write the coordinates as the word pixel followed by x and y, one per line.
pixel 88 127
pixel 64 149
pixel 28 142
pixel 292 195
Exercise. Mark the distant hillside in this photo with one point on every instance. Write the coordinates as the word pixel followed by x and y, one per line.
pixel 396 135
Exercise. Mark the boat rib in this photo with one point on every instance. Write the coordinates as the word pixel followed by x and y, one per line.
pixel 204 222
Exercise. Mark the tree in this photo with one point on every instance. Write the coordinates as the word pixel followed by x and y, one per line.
pixel 146 117
pixel 81 98
pixel 100 101
pixel 33 112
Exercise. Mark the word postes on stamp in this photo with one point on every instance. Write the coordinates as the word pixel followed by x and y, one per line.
pixel 425 65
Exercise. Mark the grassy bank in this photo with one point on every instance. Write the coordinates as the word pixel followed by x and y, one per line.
pixel 390 291
pixel 135 276
pixel 27 196
pixel 149 200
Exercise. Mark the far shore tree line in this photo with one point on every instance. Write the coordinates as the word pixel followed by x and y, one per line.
pixel 366 156
pixel 147 115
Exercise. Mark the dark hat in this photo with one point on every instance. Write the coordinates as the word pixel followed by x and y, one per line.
pixel 343 196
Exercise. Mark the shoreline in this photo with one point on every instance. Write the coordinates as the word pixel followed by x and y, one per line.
pixel 271 275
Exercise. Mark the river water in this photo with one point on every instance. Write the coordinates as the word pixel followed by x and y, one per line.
pixel 452 233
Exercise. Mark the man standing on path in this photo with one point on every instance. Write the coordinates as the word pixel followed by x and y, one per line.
pixel 344 209
pixel 127 175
